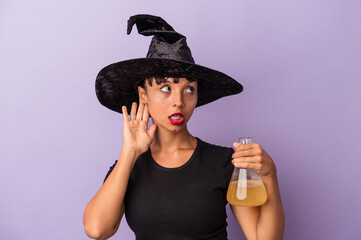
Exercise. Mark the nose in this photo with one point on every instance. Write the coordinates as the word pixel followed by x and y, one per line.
pixel 178 100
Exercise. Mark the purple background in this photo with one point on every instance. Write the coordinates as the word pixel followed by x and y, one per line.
pixel 299 62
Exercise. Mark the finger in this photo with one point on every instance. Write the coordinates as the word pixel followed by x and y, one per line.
pixel 255 159
pixel 125 114
pixel 152 129
pixel 236 144
pixel 140 111
pixel 247 153
pixel 133 111
pixel 246 146
pixel 145 113
pixel 254 166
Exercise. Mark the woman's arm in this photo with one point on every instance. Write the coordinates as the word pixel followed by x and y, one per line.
pixel 266 221
pixel 105 210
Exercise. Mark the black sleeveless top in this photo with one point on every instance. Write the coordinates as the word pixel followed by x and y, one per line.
pixel 187 202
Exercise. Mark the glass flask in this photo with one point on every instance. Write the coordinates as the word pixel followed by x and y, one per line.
pixel 246 187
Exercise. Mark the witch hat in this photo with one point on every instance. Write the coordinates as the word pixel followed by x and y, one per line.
pixel 168 56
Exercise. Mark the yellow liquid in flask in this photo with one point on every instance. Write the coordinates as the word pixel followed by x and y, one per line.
pixel 247 193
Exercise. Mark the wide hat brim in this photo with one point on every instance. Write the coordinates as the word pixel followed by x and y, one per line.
pixel 116 84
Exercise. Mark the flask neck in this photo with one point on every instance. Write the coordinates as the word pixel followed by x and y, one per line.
pixel 245 140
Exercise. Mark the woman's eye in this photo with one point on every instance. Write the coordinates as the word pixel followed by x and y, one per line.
pixel 190 89
pixel 165 89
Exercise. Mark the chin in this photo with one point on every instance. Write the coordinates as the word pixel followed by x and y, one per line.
pixel 175 128
pixel 171 127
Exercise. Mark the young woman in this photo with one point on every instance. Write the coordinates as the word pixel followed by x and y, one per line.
pixel 170 184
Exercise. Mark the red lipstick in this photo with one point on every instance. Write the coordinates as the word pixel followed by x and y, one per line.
pixel 176 118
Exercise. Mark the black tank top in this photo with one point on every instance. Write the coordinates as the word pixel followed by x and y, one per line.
pixel 187 202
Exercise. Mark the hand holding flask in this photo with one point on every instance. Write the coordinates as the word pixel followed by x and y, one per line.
pixel 246 187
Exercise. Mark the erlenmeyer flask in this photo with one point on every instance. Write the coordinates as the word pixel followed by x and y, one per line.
pixel 246 187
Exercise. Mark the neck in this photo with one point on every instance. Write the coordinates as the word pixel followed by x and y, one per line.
pixel 166 141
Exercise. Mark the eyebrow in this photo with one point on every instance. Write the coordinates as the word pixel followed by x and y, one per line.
pixel 167 81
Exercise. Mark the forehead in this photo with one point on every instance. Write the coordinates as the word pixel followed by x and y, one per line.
pixel 171 80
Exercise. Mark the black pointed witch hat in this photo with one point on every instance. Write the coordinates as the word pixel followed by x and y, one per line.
pixel 168 56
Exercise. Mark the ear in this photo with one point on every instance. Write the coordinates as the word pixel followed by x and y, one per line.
pixel 142 95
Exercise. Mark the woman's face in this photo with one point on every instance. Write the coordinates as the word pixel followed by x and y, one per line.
pixel 170 104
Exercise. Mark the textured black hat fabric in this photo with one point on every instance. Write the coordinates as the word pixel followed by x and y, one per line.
pixel 168 56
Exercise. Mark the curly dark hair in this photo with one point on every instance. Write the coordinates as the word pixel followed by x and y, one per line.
pixel 159 80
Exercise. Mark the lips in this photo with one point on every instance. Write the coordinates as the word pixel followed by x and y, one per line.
pixel 176 118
